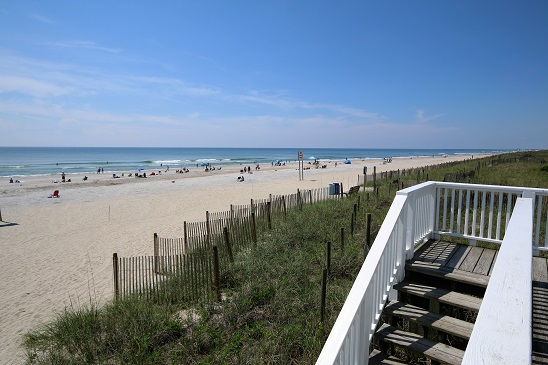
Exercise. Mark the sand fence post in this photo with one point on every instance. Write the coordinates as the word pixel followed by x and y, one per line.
pixel 208 230
pixel 116 275
pixel 352 219
pixel 284 207
pixel 268 215
pixel 374 176
pixel 253 228
pixel 328 256
pixel 367 234
pixel 185 236
pixel 156 253
pixel 217 274
pixel 324 289
pixel 227 242
pixel 1 220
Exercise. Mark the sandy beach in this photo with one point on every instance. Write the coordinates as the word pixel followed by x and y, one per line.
pixel 58 251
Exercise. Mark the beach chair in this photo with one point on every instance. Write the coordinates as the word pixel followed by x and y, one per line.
pixel 353 190
pixel 55 194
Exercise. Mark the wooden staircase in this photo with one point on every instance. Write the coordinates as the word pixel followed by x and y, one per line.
pixel 432 319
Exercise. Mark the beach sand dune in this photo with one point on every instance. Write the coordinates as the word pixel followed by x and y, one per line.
pixel 57 252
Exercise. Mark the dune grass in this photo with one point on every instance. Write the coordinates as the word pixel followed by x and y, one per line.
pixel 270 313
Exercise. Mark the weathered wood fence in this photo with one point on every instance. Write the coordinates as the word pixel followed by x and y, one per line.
pixel 190 273
pixel 189 262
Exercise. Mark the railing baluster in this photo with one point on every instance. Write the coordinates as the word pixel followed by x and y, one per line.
pixel 459 212
pixel 508 209
pixel 482 219
pixel 451 223
pixel 475 213
pixel 491 206
pixel 499 215
pixel 444 207
pixel 467 212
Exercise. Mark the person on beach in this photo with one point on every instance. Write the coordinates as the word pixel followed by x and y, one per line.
pixel 62 177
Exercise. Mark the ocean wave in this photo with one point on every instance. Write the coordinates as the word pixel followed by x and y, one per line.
pixel 14 167
pixel 167 161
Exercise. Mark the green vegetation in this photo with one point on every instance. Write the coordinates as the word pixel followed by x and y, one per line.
pixel 270 313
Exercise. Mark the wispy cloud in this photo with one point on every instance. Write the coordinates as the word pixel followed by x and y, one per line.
pixel 94 101
pixel 30 86
pixel 42 18
pixel 177 86
pixel 421 117
pixel 84 45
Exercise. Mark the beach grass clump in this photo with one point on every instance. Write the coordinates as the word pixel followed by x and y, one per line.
pixel 127 331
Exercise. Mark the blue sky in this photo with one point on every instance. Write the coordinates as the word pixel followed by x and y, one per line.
pixel 363 74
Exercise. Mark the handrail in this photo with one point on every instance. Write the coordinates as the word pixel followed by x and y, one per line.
pixel 418 213
pixel 348 342
pixel 502 332
pixel 481 212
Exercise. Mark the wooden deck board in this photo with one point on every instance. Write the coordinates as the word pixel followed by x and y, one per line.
pixel 424 249
pixel 377 358
pixel 486 260
pixel 443 296
pixel 458 257
pixel 416 343
pixel 440 322
pixel 447 254
pixel 448 273
pixel 438 252
pixel 471 259
pixel 429 251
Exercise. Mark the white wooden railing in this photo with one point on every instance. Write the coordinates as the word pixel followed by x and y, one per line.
pixel 502 332
pixel 428 210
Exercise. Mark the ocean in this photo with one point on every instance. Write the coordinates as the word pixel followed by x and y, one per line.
pixel 19 162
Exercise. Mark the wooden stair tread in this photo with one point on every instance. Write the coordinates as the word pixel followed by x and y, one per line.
pixel 447 273
pixel 377 357
pixel 455 299
pixel 423 317
pixel 413 342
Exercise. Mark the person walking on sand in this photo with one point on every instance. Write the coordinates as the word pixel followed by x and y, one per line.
pixel 63 177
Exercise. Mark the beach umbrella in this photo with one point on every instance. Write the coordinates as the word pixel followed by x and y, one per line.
pixel 203 164
pixel 347 161
pixel 278 160
pixel 312 158
pixel 139 169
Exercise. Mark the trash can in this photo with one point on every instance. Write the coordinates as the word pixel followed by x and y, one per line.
pixel 337 188
pixel 331 189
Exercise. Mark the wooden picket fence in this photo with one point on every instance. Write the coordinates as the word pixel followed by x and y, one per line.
pixel 188 262
pixel 193 274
